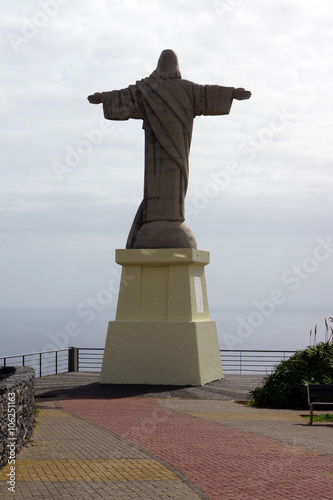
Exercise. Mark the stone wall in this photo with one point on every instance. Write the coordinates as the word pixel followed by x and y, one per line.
pixel 17 402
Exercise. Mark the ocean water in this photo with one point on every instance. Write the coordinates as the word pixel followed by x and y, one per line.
pixel 283 329
pixel 25 331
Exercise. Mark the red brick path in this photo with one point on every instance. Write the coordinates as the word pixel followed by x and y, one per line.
pixel 224 462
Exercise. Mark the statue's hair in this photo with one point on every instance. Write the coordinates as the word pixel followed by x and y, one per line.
pixel 167 66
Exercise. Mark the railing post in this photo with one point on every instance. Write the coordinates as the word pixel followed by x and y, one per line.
pixel 40 364
pixel 56 362
pixel 240 362
pixel 73 359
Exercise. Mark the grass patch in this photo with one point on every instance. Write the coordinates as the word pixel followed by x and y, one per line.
pixel 327 417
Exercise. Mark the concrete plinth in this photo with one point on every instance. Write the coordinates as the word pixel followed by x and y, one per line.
pixel 162 333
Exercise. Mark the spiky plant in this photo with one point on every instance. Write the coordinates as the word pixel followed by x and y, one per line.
pixel 286 386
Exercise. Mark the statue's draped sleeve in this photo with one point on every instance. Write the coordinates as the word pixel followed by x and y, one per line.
pixel 122 104
pixel 211 99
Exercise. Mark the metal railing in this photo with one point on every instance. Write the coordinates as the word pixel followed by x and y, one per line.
pixel 90 359
pixel 249 361
pixel 44 363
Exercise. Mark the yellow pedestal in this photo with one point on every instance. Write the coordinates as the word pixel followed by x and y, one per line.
pixel 162 333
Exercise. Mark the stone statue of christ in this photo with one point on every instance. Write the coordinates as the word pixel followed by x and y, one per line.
pixel 167 104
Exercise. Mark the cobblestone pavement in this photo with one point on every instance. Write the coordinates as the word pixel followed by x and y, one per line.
pixel 223 461
pixel 190 443
pixel 72 458
pixel 286 426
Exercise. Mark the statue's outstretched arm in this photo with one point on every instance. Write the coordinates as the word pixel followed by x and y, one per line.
pixel 95 98
pixel 240 94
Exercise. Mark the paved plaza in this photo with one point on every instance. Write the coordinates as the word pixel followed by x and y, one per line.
pixel 97 442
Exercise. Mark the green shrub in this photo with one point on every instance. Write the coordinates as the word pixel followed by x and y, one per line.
pixel 286 386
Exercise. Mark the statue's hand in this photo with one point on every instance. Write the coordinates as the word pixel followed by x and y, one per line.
pixel 240 94
pixel 96 98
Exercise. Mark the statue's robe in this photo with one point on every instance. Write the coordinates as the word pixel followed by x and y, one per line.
pixel 167 108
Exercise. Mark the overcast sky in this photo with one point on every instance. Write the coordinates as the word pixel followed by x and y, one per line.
pixel 260 191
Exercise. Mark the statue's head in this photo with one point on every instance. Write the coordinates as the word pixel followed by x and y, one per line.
pixel 167 66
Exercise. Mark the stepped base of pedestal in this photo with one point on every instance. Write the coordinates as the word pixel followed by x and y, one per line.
pixel 161 353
